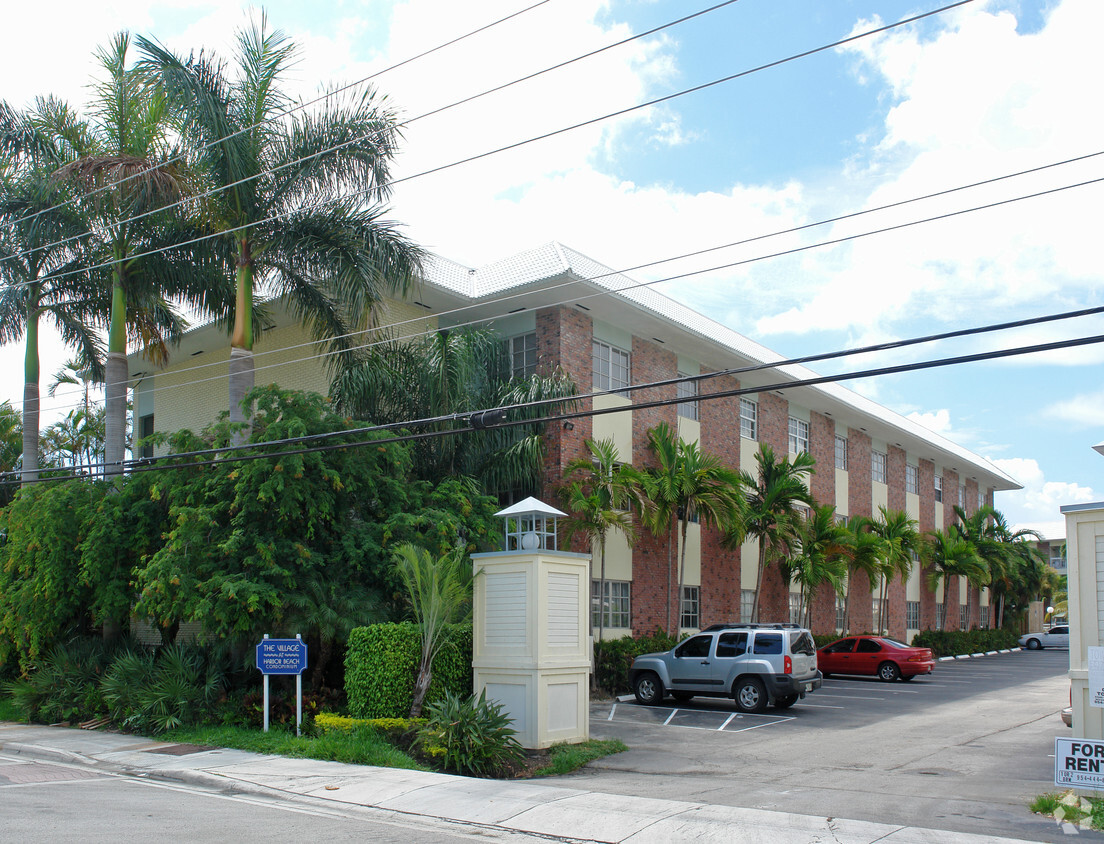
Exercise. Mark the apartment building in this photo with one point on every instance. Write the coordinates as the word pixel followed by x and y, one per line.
pixel 557 308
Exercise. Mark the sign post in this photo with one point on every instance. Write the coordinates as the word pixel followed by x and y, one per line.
pixel 283 656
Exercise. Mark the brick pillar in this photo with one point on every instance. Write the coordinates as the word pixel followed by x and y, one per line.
pixel 774 430
pixel 973 593
pixel 927 524
pixel 720 435
pixel 895 611
pixel 822 445
pixel 564 339
pixel 950 499
pixel 859 498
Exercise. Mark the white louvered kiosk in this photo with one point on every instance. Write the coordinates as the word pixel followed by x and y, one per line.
pixel 531 639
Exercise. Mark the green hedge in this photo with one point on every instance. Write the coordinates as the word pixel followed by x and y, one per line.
pixel 381 663
pixel 613 658
pixel 956 642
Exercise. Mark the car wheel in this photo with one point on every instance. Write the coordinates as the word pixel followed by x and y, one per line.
pixel 682 697
pixel 750 695
pixel 907 677
pixel 889 671
pixel 1034 645
pixel 786 702
pixel 648 689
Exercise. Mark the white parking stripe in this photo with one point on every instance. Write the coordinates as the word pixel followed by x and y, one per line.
pixel 757 726
pixel 727 721
pixel 674 712
pixel 822 706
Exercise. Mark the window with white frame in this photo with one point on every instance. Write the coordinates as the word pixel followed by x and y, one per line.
pixel 962 609
pixel 523 354
pixel 981 499
pixel 749 419
pixel 841 452
pixel 799 435
pixel 938 487
pixel 841 612
pixel 876 614
pixel 690 616
pixel 912 479
pixel 962 495
pixel 878 466
pixel 747 604
pixel 795 608
pixel 939 616
pixel 687 390
pixel 912 615
pixel 611 608
pixel 611 367
pixel 983 617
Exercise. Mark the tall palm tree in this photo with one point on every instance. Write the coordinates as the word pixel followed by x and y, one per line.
pixel 864 555
pixel 1005 568
pixel 900 546
pixel 950 555
pixel 298 196
pixel 597 499
pixel 121 162
pixel 687 485
pixel 975 528
pixel 40 273
pixel 821 557
pixel 773 496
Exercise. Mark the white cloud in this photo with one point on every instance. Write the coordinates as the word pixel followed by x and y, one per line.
pixel 938 421
pixel 1036 506
pixel 1085 410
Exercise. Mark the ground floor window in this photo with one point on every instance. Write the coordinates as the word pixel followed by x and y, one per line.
pixel 795 608
pixel 841 612
pixel 612 608
pixel 690 616
pixel 983 617
pixel 747 604
pixel 939 616
pixel 912 615
pixel 963 609
pixel 876 614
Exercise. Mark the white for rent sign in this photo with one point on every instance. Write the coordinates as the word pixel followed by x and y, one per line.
pixel 1079 763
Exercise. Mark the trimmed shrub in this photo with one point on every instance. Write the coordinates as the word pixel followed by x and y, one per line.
pixel 381 663
pixel 614 657
pixel 956 642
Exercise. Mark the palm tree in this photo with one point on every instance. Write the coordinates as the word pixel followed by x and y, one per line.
pixel 864 555
pixel 975 528
pixel 900 546
pixel 950 555
pixel 597 498
pixel 287 188
pixel 40 272
pixel 452 373
pixel 687 485
pixel 773 495
pixel 821 558
pixel 1005 568
pixel 121 164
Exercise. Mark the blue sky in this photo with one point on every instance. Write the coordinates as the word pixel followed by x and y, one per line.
pixel 981 91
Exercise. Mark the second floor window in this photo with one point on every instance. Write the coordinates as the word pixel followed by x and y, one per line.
pixel 799 436
pixel 841 453
pixel 912 481
pixel 938 487
pixel 523 355
pixel 687 390
pixel 611 367
pixel 749 419
pixel 878 466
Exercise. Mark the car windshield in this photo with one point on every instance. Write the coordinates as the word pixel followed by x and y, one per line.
pixel 893 643
pixel 802 643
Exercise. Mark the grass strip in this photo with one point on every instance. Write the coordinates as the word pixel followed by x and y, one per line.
pixel 565 758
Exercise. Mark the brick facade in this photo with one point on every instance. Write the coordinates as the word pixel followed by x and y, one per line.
pixel 720 567
pixel 822 445
pixel 859 501
pixel 895 500
pixel 774 430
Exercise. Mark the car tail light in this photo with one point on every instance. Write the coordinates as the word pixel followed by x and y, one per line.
pixel 787 666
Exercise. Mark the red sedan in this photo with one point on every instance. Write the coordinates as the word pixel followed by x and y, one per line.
pixel 886 658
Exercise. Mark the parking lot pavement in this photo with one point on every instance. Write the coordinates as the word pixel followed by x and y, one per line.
pixel 963 749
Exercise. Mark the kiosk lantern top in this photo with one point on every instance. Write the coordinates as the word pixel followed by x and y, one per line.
pixel 530 525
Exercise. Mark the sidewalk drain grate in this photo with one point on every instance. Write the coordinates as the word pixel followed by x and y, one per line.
pixel 179 749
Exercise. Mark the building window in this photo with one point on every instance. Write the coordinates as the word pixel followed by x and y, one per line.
pixel 962 608
pixel 690 617
pixel 939 616
pixel 615 607
pixel 523 355
pixel 981 499
pixel 983 617
pixel 841 453
pixel 878 466
pixel 687 390
pixel 841 608
pixel 912 615
pixel 912 479
pixel 611 367
pixel 938 487
pixel 795 608
pixel 749 419
pixel 876 614
pixel 145 429
pixel 799 436
pixel 962 496
pixel 747 603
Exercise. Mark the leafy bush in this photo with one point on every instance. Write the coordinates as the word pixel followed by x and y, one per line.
pixel 614 657
pixel 64 685
pixel 955 642
pixel 381 663
pixel 470 736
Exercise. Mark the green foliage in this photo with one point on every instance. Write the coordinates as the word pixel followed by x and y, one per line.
pixel 65 683
pixel 474 733
pixel 381 662
pixel 565 758
pixel 614 657
pixel 1045 804
pixel 955 642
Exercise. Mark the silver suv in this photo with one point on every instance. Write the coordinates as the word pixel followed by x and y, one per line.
pixel 755 664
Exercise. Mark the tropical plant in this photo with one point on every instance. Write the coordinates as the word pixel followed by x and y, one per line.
pixel 439 591
pixel 471 735
pixel 451 374
pixel 820 557
pixel 900 546
pixel 11 446
pixel 949 555
pixel 297 195
pixel 597 499
pixel 977 529
pixel 864 554
pixel 774 493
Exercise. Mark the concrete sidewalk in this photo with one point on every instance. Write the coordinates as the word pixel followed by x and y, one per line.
pixel 531 807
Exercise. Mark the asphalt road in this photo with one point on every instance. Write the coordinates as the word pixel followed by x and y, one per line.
pixel 964 749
